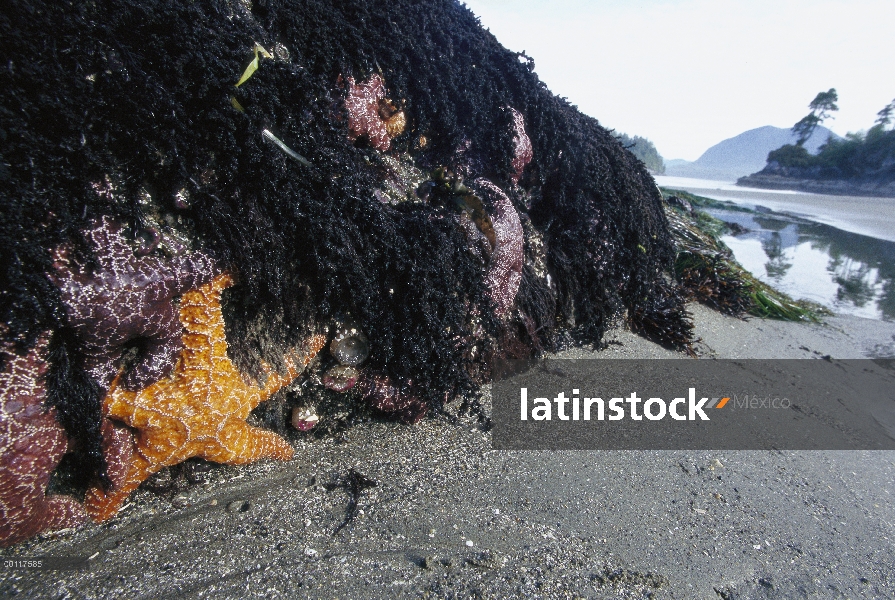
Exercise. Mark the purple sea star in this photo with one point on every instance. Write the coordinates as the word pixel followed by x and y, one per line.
pixel 381 393
pixel 505 266
pixel 31 445
pixel 127 298
pixel 371 114
pixel 522 151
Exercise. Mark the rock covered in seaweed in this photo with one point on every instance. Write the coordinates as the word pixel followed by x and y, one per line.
pixel 400 265
pixel 200 410
pixel 31 445
pixel 128 297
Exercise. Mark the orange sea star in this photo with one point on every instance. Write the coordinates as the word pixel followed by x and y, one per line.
pixel 200 410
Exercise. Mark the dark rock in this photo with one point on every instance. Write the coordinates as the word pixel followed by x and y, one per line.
pixel 678 202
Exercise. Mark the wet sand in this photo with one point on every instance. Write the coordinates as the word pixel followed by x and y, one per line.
pixel 452 518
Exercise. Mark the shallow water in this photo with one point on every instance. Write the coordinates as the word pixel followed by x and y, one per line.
pixel 838 251
pixel 873 217
pixel 846 272
pixel 684 183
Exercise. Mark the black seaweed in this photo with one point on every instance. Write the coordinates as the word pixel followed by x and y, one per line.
pixel 139 94
pixel 78 402
pixel 354 484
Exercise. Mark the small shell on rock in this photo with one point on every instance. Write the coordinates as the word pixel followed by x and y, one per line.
pixel 395 124
pixel 182 199
pixel 350 346
pixel 148 240
pixel 304 418
pixel 340 378
pixel 281 52
pixel 393 117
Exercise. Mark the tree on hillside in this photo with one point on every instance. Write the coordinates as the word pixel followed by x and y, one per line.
pixel 821 107
pixel 866 155
pixel 884 117
pixel 645 150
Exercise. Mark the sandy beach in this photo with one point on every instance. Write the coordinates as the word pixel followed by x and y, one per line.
pixel 450 517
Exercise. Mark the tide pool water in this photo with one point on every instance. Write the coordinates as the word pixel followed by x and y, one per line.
pixel 846 272
pixel 872 217
pixel 838 251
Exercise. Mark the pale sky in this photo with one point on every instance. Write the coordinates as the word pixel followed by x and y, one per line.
pixel 689 73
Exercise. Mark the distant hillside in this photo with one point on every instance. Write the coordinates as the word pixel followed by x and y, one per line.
pixel 645 150
pixel 862 164
pixel 743 154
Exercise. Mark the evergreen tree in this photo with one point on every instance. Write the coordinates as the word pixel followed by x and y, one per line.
pixel 884 117
pixel 821 107
pixel 645 150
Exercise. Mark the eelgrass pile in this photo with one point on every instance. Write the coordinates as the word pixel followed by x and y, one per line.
pixel 708 273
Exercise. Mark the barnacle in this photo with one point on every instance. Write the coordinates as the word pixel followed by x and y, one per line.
pixel 200 410
pixel 304 418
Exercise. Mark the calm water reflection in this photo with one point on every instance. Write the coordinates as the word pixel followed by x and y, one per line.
pixel 846 272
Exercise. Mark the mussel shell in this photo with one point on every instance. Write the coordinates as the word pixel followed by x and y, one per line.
pixel 350 347
pixel 304 418
pixel 340 378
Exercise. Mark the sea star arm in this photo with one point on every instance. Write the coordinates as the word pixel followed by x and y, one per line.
pixel 102 504
pixel 63 512
pixel 119 403
pixel 31 445
pixel 185 272
pixel 118 450
pixel 240 443
pixel 296 362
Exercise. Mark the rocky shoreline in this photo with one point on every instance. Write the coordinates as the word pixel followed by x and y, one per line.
pixel 834 187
